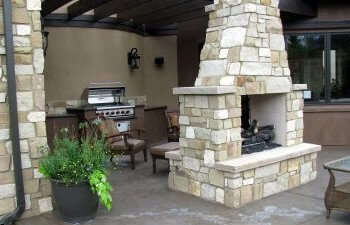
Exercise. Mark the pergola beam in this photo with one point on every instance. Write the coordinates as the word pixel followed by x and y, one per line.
pixel 190 15
pixel 116 6
pixel 83 6
pixel 298 7
pixel 176 10
pixel 146 9
pixel 48 6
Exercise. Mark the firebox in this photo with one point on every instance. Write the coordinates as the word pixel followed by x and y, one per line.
pixel 263 122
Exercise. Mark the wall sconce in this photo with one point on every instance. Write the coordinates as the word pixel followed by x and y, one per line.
pixel 159 61
pixel 133 59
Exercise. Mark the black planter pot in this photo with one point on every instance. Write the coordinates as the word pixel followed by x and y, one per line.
pixel 75 204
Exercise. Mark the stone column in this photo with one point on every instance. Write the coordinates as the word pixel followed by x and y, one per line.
pixel 29 65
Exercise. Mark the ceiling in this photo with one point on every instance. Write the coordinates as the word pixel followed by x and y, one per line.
pixel 147 15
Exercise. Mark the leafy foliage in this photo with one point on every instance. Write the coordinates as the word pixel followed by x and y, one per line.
pixel 99 184
pixel 73 161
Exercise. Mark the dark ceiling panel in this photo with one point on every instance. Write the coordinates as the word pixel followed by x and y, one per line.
pixel 147 8
pixel 190 15
pixel 84 6
pixel 169 12
pixel 298 7
pixel 48 6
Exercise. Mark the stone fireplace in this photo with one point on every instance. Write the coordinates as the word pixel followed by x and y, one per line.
pixel 243 55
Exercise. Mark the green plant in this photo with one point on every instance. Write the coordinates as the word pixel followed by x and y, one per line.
pixel 74 161
pixel 99 184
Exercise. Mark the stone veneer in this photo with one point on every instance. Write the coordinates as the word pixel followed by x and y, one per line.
pixel 244 54
pixel 29 65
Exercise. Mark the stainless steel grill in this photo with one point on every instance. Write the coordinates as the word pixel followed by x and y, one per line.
pixel 107 100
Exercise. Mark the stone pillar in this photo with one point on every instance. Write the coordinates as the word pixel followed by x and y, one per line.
pixel 29 65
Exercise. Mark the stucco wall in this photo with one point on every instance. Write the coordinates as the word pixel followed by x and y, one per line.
pixel 78 56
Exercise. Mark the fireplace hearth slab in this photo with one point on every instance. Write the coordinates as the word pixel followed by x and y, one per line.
pixel 255 160
pixel 204 90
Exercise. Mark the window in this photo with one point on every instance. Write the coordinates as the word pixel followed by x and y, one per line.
pixel 306 62
pixel 322 61
pixel 340 67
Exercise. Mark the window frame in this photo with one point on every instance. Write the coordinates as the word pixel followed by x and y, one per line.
pixel 327 48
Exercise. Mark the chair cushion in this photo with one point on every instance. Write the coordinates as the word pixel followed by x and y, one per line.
pixel 136 145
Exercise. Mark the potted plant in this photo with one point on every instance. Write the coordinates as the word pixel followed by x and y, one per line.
pixel 78 175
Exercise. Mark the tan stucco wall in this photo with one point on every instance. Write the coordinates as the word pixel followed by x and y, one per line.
pixel 160 81
pixel 78 56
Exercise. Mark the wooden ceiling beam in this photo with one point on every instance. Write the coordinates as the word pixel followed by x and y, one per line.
pixel 48 6
pixel 186 16
pixel 146 9
pixel 83 6
pixel 175 10
pixel 116 6
pixel 298 7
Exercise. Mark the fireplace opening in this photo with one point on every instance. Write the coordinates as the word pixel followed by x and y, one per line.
pixel 263 122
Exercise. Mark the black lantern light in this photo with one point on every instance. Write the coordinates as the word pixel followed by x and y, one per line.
pixel 133 59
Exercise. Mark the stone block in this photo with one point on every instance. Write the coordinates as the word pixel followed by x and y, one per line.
pixel 248 181
pixel 7 191
pixel 40 128
pixel 190 133
pixel 220 195
pixel 278 85
pixel 270 189
pixel 249 54
pixel 26 130
pixel 5 163
pixel 194 188
pixel 7 206
pixel 219 136
pixel 31 186
pixel 181 183
pixel 241 20
pixel 36 116
pixel 202 133
pixel 268 170
pixel 191 163
pixel 293 164
pixel 38 58
pixel 24 101
pixel 216 178
pixel 213 68
pixel 305 172
pixel 208 192
pixel 6 177
pixel 36 145
pixel 294 181
pixel 235 183
pixel 45 205
pixel 256 68
pixel 283 182
pixel 232 198
pixel 277 42
pixel 258 191
pixel 233 36
pixel 209 158
pixel 33 5
pixel 246 194
pixel 23 29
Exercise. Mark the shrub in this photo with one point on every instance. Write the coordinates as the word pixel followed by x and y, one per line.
pixel 72 162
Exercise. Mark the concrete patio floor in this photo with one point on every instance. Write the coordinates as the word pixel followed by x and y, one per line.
pixel 141 198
